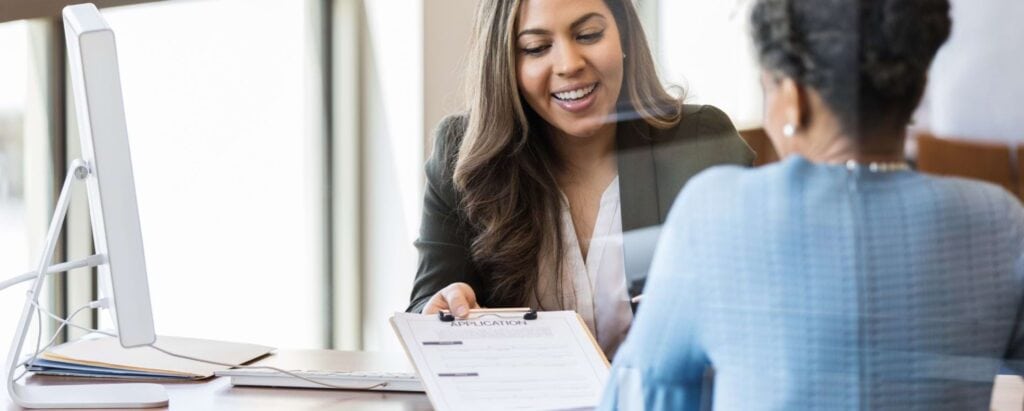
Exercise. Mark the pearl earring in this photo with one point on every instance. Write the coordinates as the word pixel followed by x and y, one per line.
pixel 789 130
pixel 623 56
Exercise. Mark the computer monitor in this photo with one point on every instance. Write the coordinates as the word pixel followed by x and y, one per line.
pixel 99 107
pixel 106 168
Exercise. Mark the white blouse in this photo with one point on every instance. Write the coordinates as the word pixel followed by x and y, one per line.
pixel 596 288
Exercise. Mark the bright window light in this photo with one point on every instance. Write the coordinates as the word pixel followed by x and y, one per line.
pixel 228 183
pixel 705 46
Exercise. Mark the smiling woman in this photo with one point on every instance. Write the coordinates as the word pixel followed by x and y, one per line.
pixel 569 140
pixel 552 70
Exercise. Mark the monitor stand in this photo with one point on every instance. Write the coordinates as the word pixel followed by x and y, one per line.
pixel 132 395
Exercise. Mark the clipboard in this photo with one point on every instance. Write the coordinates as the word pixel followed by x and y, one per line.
pixel 504 359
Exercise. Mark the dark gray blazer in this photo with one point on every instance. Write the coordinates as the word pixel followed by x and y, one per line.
pixel 653 166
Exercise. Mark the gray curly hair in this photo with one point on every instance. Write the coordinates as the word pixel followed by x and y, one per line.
pixel 868 59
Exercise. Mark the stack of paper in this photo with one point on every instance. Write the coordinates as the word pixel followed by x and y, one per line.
pixel 105 358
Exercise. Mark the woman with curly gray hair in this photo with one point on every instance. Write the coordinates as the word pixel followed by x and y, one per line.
pixel 837 278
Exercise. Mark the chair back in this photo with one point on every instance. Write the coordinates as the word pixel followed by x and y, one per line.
pixel 989 161
pixel 758 141
pixel 1020 171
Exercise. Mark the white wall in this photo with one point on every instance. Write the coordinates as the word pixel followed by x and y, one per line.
pixel 975 83
pixel 448 25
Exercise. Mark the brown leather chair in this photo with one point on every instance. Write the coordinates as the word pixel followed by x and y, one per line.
pixel 758 141
pixel 989 161
pixel 1020 172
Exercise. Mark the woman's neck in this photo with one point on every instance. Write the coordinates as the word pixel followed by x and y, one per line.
pixel 839 148
pixel 585 156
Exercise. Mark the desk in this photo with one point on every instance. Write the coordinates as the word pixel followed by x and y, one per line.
pixel 218 394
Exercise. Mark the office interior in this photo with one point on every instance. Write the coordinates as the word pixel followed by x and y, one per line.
pixel 278 148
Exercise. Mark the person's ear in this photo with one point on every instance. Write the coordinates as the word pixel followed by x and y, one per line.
pixel 793 101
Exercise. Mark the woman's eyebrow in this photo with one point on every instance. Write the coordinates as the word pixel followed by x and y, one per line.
pixel 575 24
pixel 585 18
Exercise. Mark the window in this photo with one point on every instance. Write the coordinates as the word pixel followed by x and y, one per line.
pixel 394 156
pixel 705 46
pixel 264 220
pixel 227 167
pixel 16 243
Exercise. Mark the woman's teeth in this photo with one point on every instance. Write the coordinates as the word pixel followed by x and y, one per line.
pixel 576 94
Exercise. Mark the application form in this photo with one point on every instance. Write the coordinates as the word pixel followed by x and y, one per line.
pixel 505 362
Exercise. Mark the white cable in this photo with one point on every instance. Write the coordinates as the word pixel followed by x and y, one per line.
pixel 289 373
pixel 263 367
pixel 90 261
pixel 31 360
pixel 101 303
pixel 39 337
pixel 73 325
pixel 91 305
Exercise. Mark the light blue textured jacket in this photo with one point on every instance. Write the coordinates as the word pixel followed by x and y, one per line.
pixel 809 287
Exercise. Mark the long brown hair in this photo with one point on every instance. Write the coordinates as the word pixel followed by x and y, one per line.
pixel 505 167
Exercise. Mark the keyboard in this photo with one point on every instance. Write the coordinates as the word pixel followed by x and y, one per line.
pixel 354 380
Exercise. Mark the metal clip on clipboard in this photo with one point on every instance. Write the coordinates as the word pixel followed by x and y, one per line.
pixel 527 313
